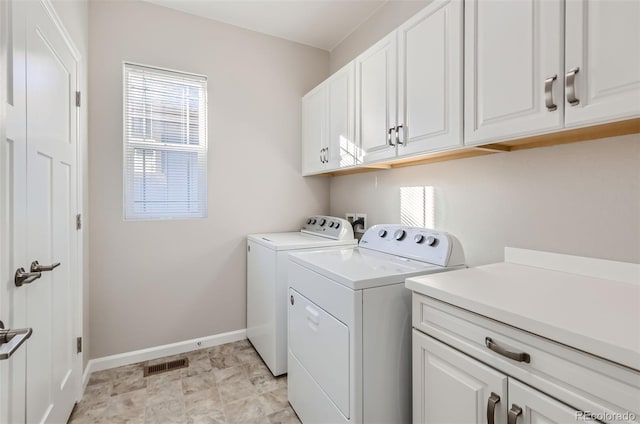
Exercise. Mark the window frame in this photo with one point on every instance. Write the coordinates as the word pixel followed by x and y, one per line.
pixel 133 143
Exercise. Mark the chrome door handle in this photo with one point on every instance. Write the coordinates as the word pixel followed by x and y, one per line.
pixel 548 93
pixel 516 356
pixel 513 414
pixel 398 142
pixel 11 340
pixel 36 267
pixel 389 142
pixel 22 277
pixel 326 155
pixel 491 407
pixel 570 84
pixel 321 157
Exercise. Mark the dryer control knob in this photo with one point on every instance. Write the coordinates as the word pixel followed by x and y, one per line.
pixel 419 238
pixel 322 221
pixel 400 235
pixel 382 233
pixel 431 240
pixel 313 221
pixel 331 224
pixel 337 225
pixel 309 221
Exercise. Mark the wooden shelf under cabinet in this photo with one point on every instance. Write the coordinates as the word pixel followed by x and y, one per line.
pixel 611 129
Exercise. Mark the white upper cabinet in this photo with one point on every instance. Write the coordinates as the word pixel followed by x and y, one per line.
pixel 328 124
pixel 430 54
pixel 603 44
pixel 376 99
pixel 513 61
pixel 314 130
pixel 342 148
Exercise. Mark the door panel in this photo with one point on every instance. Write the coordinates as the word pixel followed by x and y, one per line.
pixel 603 41
pixel 430 79
pixel 313 130
pixel 538 408
pixel 510 49
pixel 451 387
pixel 376 98
pixel 52 380
pixel 320 343
pixel 341 143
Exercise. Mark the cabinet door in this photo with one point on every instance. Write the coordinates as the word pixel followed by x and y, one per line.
pixel 376 99
pixel 313 130
pixel 342 150
pixel 511 48
pixel 430 79
pixel 603 43
pixel 529 406
pixel 451 387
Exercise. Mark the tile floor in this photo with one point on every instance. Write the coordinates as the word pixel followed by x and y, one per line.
pixel 223 384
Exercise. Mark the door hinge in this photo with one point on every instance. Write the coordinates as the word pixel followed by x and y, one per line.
pixel 79 221
pixel 78 344
pixel 78 98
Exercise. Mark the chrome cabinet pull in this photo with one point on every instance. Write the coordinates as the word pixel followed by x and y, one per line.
pixel 491 407
pixel 22 277
pixel 36 267
pixel 570 84
pixel 326 155
pixel 389 142
pixel 11 340
pixel 513 414
pixel 516 356
pixel 548 93
pixel 398 134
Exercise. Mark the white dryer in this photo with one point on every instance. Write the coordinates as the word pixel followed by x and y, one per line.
pixel 267 281
pixel 349 353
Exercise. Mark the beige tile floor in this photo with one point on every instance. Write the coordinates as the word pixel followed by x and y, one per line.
pixel 223 384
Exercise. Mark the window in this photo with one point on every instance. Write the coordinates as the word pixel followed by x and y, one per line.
pixel 165 144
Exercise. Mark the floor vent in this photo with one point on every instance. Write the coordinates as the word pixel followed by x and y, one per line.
pixel 165 366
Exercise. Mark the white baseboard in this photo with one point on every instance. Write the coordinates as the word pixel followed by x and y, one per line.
pixel 127 358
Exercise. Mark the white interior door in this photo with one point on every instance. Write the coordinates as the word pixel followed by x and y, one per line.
pixel 40 204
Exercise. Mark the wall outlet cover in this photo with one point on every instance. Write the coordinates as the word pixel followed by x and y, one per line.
pixel 361 229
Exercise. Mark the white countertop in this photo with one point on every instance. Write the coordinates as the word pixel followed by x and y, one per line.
pixel 596 315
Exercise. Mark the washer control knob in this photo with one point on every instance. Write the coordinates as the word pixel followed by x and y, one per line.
pixel 331 224
pixel 313 221
pixel 322 221
pixel 431 240
pixel 400 235
pixel 337 225
pixel 419 238
pixel 382 233
pixel 309 221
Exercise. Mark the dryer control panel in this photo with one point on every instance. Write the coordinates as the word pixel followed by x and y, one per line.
pixel 328 226
pixel 420 244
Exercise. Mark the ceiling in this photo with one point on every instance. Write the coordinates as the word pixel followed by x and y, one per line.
pixel 318 23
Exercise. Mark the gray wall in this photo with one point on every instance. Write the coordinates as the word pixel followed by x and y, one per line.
pixel 383 21
pixel 154 283
pixel 75 17
pixel 581 199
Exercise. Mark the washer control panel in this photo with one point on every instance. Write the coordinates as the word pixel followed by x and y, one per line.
pixel 328 226
pixel 421 244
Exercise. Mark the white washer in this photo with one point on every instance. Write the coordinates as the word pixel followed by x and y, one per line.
pixel 350 324
pixel 267 281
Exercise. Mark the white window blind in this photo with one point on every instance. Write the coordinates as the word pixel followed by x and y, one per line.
pixel 165 144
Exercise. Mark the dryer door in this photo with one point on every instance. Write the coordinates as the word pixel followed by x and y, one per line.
pixel 321 344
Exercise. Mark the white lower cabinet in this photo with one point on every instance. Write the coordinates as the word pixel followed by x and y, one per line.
pixel 452 387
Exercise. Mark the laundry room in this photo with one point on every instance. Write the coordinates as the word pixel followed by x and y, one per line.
pixel 371 211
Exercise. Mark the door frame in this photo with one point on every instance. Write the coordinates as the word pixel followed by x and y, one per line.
pixel 6 201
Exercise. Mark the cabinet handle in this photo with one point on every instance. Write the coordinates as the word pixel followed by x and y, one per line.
pixel 548 93
pixel 570 84
pixel 321 160
pixel 326 155
pixel 491 407
pixel 389 142
pixel 516 356
pixel 513 414
pixel 398 135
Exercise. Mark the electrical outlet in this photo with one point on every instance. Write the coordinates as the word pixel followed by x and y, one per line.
pixel 361 228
